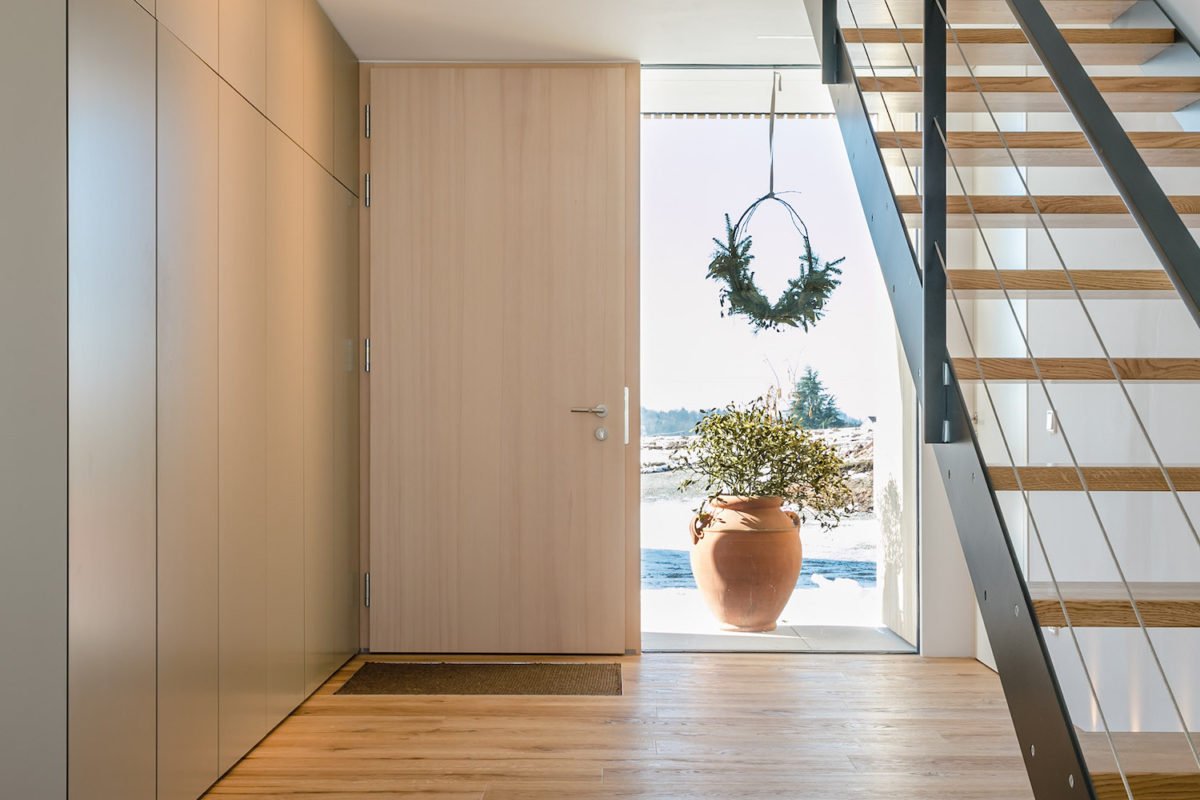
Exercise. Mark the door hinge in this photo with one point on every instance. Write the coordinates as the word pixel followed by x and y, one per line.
pixel 367 190
pixel 367 354
pixel 367 121
pixel 367 589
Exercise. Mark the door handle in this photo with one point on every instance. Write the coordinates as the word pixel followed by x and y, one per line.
pixel 600 410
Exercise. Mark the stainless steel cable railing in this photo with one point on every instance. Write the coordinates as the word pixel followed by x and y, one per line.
pixel 908 168
pixel 1152 212
pixel 1075 464
pixel 1058 593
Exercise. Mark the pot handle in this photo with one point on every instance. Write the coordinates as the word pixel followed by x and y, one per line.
pixel 697 529
pixel 795 517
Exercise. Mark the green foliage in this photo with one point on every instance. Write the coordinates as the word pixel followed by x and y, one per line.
pixel 802 303
pixel 666 423
pixel 753 450
pixel 813 406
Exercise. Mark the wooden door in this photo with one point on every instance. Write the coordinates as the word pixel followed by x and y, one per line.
pixel 502 226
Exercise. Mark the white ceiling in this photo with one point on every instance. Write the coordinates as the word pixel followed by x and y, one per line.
pixel 650 31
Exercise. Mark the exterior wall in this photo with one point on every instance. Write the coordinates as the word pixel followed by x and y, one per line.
pixel 33 399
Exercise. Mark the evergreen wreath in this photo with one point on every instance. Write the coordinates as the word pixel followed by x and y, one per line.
pixel 802 303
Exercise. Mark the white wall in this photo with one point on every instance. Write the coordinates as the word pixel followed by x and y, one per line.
pixel 947 594
pixel 33 394
pixel 1186 16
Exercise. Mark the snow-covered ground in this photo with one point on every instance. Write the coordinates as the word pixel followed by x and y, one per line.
pixel 837 602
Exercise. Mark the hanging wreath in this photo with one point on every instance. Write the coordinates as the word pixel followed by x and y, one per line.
pixel 802 303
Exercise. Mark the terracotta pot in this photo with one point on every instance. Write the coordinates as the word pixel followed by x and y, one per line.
pixel 746 560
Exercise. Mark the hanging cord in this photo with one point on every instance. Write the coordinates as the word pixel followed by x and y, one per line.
pixel 776 85
pixel 744 220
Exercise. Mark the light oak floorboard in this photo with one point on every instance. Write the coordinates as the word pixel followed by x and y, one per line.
pixel 697 726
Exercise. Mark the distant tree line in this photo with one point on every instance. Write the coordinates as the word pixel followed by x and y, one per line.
pixel 811 404
pixel 668 423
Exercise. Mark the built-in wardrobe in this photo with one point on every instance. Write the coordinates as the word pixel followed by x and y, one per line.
pixel 213 382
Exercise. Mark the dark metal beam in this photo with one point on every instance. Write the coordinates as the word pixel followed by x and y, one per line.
pixel 830 45
pixel 1169 237
pixel 935 379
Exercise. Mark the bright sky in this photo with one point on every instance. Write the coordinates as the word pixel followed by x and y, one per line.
pixel 693 172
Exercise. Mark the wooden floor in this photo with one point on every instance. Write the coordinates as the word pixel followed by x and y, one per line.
pixel 702 726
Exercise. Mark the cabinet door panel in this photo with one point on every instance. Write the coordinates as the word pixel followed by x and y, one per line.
pixel 319 36
pixel 330 582
pixel 242 42
pixel 346 112
pixel 187 421
pixel 345 578
pixel 285 425
pixel 195 23
pixel 243 417
pixel 285 65
pixel 111 334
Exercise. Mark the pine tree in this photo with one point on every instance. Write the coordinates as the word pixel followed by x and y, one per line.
pixel 813 406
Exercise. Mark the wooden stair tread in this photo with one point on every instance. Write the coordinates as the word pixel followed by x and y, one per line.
pixel 1062 478
pixel 990 12
pixel 1078 369
pixel 1124 93
pixel 1159 766
pixel 1139 283
pixel 1062 210
pixel 1041 148
pixel 1096 604
pixel 1008 46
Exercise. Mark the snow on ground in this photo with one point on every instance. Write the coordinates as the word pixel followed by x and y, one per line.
pixel 838 602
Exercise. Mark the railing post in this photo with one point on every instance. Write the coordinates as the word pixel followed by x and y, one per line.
pixel 935 383
pixel 830 51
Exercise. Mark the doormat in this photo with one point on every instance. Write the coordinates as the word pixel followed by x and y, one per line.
pixel 386 677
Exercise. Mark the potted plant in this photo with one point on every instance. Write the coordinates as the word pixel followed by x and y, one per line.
pixel 763 475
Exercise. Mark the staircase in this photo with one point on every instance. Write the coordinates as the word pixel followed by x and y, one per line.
pixel 1030 174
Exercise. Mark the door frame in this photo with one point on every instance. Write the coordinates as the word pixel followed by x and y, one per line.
pixel 633 480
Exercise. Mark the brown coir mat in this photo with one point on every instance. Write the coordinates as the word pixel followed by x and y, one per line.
pixel 382 677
